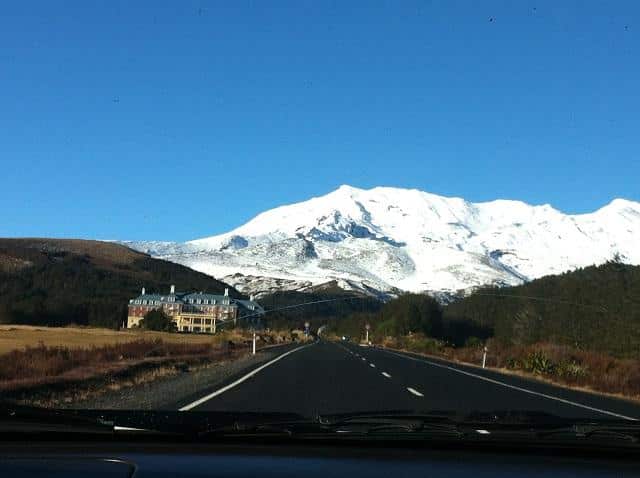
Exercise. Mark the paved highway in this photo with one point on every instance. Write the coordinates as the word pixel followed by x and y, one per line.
pixel 326 377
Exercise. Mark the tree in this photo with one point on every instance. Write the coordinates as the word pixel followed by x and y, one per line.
pixel 158 320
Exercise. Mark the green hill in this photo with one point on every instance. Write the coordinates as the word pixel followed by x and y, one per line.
pixel 595 308
pixel 62 281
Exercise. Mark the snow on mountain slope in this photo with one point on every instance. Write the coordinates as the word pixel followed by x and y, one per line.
pixel 390 238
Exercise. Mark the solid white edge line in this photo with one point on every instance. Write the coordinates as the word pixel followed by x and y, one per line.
pixel 206 398
pixel 386 374
pixel 415 392
pixel 514 387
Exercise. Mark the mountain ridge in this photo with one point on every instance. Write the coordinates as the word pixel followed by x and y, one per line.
pixel 393 239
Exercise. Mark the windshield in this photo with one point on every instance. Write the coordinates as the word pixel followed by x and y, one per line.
pixel 313 210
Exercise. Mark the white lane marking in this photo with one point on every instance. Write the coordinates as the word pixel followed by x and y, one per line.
pixel 372 365
pixel 364 359
pixel 386 374
pixel 200 401
pixel 525 390
pixel 415 392
pixel 117 428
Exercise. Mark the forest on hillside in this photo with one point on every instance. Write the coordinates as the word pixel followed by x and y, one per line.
pixel 57 282
pixel 320 307
pixel 594 308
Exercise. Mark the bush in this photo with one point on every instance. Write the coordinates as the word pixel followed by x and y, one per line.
pixel 538 363
pixel 158 320
pixel 474 342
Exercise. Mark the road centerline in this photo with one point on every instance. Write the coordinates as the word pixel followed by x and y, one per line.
pixel 415 392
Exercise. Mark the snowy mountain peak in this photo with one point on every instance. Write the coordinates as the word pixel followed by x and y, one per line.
pixel 404 239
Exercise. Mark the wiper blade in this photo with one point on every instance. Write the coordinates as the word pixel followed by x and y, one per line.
pixel 24 419
pixel 347 425
pixel 594 431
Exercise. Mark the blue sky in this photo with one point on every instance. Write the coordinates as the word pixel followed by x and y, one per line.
pixel 177 120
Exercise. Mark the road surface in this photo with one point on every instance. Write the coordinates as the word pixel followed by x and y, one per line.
pixel 326 377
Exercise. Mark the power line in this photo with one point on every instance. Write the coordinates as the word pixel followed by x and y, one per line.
pixel 543 299
pixel 303 304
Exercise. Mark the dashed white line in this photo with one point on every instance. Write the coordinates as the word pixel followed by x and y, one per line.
pixel 415 392
pixel 364 359
pixel 372 365
pixel 513 387
pixel 386 374
pixel 241 379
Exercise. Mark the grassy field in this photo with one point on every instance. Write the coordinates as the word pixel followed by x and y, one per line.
pixel 14 337
pixel 38 365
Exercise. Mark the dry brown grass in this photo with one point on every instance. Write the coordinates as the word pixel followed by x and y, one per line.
pixel 558 364
pixel 38 365
pixel 36 358
pixel 595 371
pixel 14 337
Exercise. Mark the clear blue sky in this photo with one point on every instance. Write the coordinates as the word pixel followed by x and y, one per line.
pixel 177 120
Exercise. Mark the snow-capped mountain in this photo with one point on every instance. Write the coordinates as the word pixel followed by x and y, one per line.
pixel 390 239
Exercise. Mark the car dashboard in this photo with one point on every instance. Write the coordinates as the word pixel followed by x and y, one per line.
pixel 137 460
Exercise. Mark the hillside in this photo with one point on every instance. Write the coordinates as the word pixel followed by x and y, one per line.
pixel 62 281
pixel 594 308
pixel 392 239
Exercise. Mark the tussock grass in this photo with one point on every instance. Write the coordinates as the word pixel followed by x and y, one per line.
pixel 37 357
pixel 14 337
pixel 560 364
pixel 39 364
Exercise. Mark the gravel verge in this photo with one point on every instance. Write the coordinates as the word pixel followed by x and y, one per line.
pixel 166 393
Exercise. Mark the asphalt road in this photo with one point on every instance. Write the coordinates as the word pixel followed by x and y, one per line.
pixel 325 377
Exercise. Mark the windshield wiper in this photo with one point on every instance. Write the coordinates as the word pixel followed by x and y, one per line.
pixel 370 425
pixel 24 419
pixel 525 427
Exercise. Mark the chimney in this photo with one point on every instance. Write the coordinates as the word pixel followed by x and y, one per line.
pixel 173 289
pixel 143 291
pixel 226 292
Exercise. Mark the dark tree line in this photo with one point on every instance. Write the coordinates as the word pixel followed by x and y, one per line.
pixel 595 308
pixel 342 305
pixel 58 287
pixel 409 313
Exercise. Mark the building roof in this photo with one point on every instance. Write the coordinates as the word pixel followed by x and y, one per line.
pixel 252 306
pixel 192 298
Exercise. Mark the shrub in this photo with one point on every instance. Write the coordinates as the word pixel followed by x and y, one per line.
pixel 538 363
pixel 157 320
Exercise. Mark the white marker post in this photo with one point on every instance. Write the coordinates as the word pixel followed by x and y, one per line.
pixel 367 327
pixel 254 342
pixel 484 357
